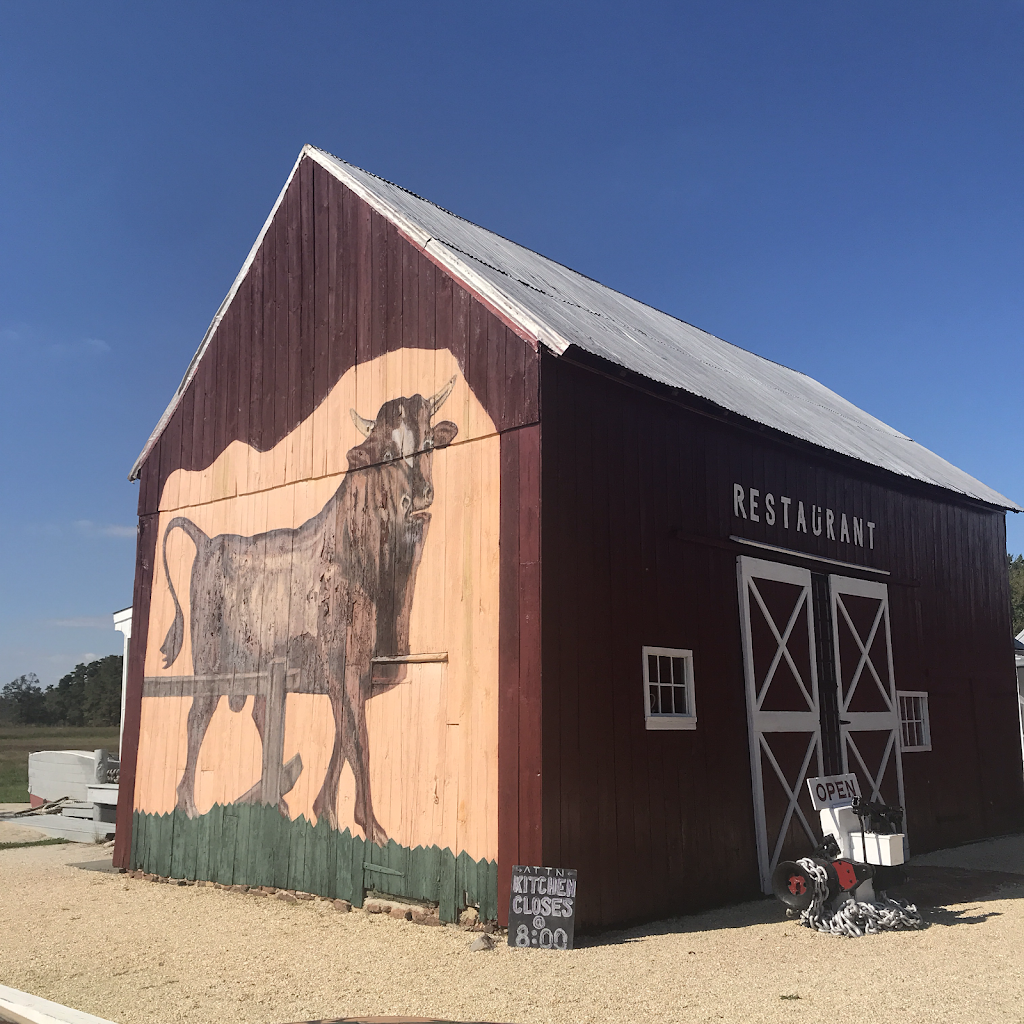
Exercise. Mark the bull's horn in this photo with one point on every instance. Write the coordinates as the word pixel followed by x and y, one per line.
pixel 363 425
pixel 438 400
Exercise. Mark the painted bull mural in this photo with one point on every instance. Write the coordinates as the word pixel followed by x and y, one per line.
pixel 330 599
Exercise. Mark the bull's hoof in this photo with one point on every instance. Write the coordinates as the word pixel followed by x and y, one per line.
pixel 325 813
pixel 377 835
pixel 188 805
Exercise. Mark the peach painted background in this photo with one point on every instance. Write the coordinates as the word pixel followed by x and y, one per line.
pixel 434 738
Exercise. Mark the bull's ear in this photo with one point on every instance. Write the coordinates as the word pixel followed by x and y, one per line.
pixel 358 457
pixel 443 433
pixel 363 425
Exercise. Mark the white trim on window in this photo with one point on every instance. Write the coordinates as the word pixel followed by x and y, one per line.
pixel 668 688
pixel 915 730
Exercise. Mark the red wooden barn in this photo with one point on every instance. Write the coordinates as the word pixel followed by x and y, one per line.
pixel 451 559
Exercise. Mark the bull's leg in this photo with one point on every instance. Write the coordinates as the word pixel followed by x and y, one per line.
pixel 358 755
pixel 326 803
pixel 199 716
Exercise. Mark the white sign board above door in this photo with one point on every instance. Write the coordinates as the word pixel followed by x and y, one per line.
pixel 833 791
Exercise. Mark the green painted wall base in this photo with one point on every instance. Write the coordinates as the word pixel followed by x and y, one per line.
pixel 245 844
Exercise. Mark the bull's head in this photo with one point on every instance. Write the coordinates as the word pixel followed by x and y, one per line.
pixel 403 435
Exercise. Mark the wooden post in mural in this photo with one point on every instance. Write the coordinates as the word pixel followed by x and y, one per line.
pixel 273 734
pixel 276 777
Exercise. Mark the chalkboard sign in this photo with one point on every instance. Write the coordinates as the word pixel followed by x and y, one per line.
pixel 542 908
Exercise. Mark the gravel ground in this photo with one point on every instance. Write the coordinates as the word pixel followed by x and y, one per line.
pixel 134 951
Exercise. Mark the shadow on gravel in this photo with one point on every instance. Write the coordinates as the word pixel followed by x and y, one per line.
pixel 932 889
pixel 939 886
pixel 741 915
pixel 945 916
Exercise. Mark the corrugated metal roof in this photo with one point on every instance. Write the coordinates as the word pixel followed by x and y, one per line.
pixel 559 308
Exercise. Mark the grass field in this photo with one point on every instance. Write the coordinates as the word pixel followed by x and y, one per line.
pixel 18 741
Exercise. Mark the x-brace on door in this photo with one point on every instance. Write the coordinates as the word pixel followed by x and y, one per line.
pixel 869 715
pixel 783 710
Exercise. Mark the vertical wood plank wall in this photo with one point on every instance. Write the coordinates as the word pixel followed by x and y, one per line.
pixel 520 766
pixel 334 285
pixel 637 514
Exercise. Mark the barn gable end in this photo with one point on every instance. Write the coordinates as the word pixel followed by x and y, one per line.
pixel 337 308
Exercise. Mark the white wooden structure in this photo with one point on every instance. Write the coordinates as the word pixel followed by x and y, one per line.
pixel 123 624
pixel 80 778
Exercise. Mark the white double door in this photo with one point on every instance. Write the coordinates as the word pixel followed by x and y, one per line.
pixel 821 697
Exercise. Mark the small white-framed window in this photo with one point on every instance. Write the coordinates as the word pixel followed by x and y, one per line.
pixel 915 732
pixel 668 688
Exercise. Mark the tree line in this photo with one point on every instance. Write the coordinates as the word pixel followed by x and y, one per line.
pixel 1016 567
pixel 87 695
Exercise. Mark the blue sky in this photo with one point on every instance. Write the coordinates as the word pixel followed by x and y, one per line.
pixel 836 186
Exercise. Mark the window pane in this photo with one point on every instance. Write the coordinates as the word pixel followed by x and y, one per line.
pixel 678 673
pixel 655 703
pixel 666 700
pixel 665 669
pixel 680 700
pixel 652 668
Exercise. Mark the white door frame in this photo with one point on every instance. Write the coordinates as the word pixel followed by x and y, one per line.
pixel 867 674
pixel 759 722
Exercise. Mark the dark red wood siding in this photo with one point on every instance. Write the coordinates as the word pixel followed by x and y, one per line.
pixel 637 517
pixel 334 284
pixel 520 790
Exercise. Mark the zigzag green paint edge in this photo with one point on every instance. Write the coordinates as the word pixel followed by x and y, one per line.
pixel 246 844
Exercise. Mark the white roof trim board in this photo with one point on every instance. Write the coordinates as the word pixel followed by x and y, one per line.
pixel 557 307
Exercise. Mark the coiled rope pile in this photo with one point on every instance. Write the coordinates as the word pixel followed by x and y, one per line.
pixel 853 918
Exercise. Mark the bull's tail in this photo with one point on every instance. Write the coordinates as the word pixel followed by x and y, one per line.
pixel 171 647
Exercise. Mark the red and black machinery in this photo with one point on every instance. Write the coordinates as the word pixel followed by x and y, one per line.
pixel 861 852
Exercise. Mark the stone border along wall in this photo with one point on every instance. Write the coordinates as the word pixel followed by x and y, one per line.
pixel 254 846
pixel 428 915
